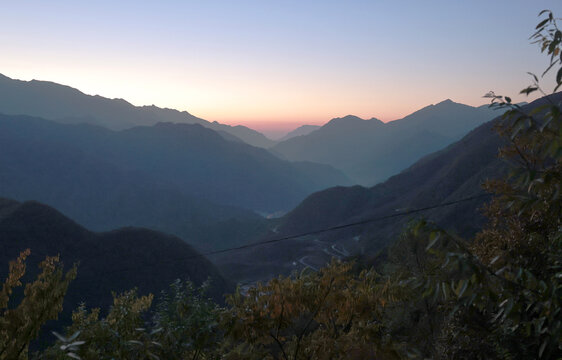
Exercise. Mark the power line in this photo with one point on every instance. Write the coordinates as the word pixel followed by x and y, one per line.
pixel 339 227
pixel 314 232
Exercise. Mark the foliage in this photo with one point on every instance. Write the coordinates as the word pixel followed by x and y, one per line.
pixel 510 277
pixel 184 325
pixel 416 319
pixel 187 322
pixel 332 314
pixel 119 335
pixel 42 301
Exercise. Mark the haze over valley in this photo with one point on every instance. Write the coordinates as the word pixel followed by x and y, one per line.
pixel 214 187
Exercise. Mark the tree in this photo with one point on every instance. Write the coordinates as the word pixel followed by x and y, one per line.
pixel 120 335
pixel 183 325
pixel 186 322
pixel 510 277
pixel 333 314
pixel 42 301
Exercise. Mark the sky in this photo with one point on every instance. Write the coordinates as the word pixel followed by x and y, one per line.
pixel 275 65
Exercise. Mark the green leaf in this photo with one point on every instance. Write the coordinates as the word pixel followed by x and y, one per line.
pixel 436 293
pixel 445 289
pixel 552 63
pixel 498 315
pixel 434 237
pixel 534 76
pixel 59 336
pixel 461 287
pixel 557 37
pixel 508 307
pixel 542 23
pixel 543 346
pixel 74 336
pixel 529 90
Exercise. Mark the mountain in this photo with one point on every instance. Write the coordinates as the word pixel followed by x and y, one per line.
pixel 118 260
pixel 64 104
pixel 453 173
pixel 300 131
pixel 178 178
pixel 191 158
pixel 36 165
pixel 247 135
pixel 369 151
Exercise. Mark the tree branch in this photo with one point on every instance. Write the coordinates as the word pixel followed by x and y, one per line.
pixel 312 318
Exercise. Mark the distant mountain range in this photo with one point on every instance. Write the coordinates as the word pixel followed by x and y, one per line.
pixel 456 172
pixel 370 151
pixel 300 131
pixel 119 260
pixel 64 104
pixel 204 182
pixel 367 151
pixel 178 178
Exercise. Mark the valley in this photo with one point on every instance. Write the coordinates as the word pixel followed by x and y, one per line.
pixel 414 227
pixel 203 186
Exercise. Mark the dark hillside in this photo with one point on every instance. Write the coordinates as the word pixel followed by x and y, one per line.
pixel 118 260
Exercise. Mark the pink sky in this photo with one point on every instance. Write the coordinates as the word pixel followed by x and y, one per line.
pixel 274 66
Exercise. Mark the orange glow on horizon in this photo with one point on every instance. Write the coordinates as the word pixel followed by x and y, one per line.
pixel 270 67
pixel 273 112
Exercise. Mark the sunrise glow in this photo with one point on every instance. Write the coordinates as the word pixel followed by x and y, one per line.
pixel 275 67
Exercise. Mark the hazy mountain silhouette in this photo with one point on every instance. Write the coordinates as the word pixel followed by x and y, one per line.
pixel 113 261
pixel 35 165
pixel 64 104
pixel 167 177
pixel 450 174
pixel 369 151
pixel 301 130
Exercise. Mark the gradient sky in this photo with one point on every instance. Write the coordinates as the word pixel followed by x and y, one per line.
pixel 277 64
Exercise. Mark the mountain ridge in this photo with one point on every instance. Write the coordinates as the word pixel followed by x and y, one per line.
pixel 299 131
pixel 369 151
pixel 453 173
pixel 182 179
pixel 66 104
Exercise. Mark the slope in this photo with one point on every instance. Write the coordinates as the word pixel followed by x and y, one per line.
pixel 450 174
